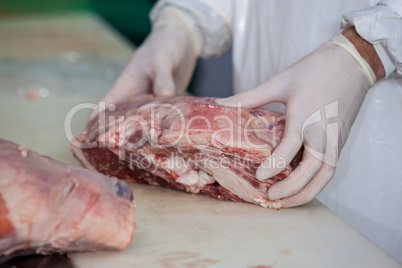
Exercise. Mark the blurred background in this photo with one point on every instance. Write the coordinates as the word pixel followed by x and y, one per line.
pixel 130 19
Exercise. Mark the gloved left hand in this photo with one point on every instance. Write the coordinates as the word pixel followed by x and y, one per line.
pixel 322 94
pixel 163 64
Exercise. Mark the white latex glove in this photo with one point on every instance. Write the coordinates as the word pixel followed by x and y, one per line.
pixel 323 91
pixel 163 64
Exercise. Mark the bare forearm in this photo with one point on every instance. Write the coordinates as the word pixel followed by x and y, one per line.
pixel 367 51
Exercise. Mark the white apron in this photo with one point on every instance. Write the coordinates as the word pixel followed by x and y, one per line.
pixel 268 36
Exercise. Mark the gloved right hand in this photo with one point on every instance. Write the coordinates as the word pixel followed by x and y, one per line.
pixel 323 93
pixel 163 64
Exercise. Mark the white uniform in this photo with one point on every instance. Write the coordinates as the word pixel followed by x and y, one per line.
pixel 269 36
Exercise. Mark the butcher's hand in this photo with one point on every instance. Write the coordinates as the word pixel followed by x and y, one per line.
pixel 163 64
pixel 322 94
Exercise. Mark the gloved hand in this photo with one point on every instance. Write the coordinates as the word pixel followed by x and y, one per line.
pixel 163 64
pixel 322 94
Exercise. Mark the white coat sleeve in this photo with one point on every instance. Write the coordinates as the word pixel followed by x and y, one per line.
pixel 381 25
pixel 210 19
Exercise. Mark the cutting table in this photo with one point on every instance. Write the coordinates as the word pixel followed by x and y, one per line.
pixel 53 62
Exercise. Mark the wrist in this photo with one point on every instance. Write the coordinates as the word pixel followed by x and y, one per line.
pixel 366 51
pixel 173 20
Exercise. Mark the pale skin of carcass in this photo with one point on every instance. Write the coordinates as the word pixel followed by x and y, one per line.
pixel 47 206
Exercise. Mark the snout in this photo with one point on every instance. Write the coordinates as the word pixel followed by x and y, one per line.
pixel 123 190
